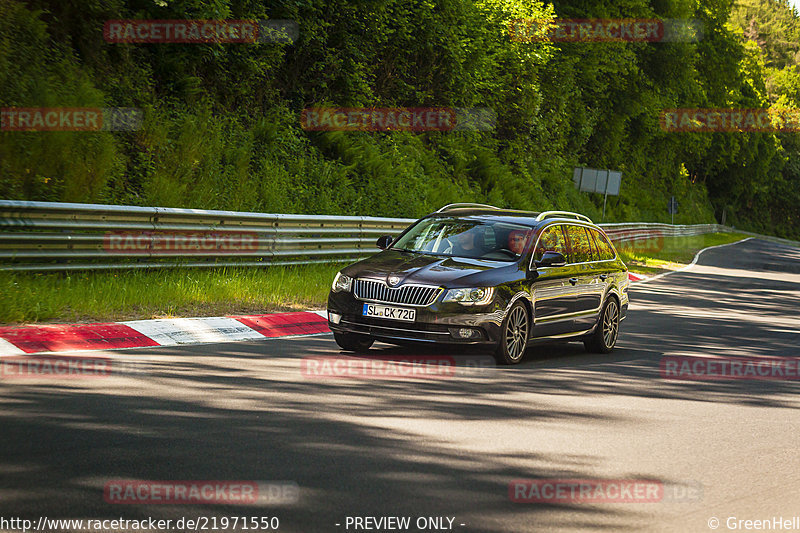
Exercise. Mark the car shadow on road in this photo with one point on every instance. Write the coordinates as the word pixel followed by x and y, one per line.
pixel 381 447
pixel 60 444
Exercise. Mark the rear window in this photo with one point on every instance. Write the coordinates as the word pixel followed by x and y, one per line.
pixel 603 246
pixel 580 245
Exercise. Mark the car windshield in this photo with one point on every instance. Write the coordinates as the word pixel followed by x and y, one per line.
pixel 466 237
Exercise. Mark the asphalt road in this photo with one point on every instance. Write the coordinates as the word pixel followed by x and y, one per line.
pixel 442 447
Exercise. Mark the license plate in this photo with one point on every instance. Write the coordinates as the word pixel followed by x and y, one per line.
pixel 389 313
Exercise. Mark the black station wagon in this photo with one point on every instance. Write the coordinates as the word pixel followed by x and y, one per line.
pixel 476 274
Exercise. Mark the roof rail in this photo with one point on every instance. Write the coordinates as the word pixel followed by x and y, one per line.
pixel 548 214
pixel 456 206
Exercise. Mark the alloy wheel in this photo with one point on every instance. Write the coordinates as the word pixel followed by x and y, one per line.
pixel 517 333
pixel 610 324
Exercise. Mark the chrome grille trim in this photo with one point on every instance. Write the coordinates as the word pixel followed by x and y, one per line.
pixel 411 295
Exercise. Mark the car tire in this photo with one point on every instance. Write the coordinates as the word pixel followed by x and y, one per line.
pixel 352 342
pixel 514 332
pixel 606 332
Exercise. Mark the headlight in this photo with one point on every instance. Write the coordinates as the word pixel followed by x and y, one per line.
pixel 342 283
pixel 473 296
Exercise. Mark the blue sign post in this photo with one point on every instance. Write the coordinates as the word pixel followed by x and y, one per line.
pixel 672 207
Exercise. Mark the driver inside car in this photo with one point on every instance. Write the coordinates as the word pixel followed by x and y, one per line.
pixel 516 241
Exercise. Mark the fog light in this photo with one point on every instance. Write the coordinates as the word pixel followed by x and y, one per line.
pixel 334 318
pixel 466 333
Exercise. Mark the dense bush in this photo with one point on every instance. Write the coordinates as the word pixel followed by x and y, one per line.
pixel 222 128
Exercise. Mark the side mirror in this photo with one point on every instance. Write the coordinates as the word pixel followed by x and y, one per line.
pixel 551 259
pixel 384 241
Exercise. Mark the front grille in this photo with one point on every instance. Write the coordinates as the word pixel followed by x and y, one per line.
pixel 378 291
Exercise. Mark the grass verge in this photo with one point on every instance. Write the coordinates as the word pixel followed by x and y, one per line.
pixel 138 294
pixel 656 256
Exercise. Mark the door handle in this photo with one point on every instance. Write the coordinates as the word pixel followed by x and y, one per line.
pixel 573 280
pixel 603 276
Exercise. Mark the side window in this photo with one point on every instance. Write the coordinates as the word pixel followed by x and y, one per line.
pixel 489 238
pixel 593 245
pixel 551 240
pixel 605 248
pixel 579 244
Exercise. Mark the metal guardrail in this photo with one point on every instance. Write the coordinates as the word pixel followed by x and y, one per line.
pixel 769 238
pixel 622 233
pixel 42 236
pixel 627 232
pixel 46 236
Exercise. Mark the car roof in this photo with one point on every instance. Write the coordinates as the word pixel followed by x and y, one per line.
pixel 513 216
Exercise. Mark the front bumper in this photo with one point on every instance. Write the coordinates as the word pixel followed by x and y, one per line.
pixel 438 323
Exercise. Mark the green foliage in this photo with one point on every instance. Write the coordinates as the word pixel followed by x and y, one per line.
pixel 222 125
pixel 160 293
pixel 770 30
pixel 34 72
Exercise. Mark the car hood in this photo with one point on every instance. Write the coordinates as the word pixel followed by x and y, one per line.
pixel 425 268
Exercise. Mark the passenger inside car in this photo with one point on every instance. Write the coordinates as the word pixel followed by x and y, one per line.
pixel 465 244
